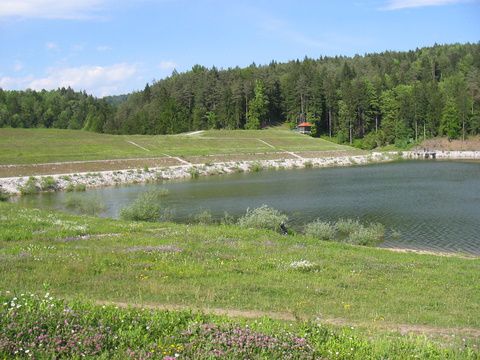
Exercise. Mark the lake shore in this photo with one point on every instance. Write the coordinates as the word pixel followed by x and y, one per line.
pixel 64 181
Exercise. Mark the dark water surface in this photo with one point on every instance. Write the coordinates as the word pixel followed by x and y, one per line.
pixel 430 205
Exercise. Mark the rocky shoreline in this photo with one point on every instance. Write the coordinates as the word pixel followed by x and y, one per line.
pixel 62 182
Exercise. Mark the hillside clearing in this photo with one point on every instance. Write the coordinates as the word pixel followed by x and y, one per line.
pixel 34 146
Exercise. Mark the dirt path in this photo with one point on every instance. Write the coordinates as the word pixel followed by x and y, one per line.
pixel 193 133
pixel 285 316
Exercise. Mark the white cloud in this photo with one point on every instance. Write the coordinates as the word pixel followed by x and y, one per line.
pixel 17 66
pixel 97 80
pixel 50 9
pixel 78 47
pixel 51 45
pixel 405 4
pixel 102 48
pixel 167 65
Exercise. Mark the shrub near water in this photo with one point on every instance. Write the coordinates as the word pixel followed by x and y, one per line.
pixel 203 218
pixel 370 235
pixel 321 230
pixel 263 217
pixel 30 187
pixel 3 195
pixel 48 184
pixel 147 207
pixel 347 226
pixel 346 230
pixel 76 187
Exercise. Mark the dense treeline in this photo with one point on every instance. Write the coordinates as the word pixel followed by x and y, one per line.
pixel 62 108
pixel 391 97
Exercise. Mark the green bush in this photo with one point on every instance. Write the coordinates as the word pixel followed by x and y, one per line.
pixel 3 195
pixel 256 167
pixel 75 187
pixel 80 187
pixel 30 187
pixel 194 173
pixel 48 183
pixel 203 218
pixel 321 230
pixel 373 140
pixel 347 226
pixel 147 207
pixel 367 235
pixel 263 217
pixel 227 219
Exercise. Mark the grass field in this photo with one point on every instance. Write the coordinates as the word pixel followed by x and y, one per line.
pixel 235 269
pixel 43 327
pixel 30 146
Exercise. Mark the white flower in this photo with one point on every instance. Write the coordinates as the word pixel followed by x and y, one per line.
pixel 302 265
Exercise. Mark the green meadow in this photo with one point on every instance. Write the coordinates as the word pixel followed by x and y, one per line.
pixel 31 146
pixel 247 273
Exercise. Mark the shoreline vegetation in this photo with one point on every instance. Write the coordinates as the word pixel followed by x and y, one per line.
pixel 80 180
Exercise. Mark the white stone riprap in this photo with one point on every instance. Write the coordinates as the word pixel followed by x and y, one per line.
pixel 13 185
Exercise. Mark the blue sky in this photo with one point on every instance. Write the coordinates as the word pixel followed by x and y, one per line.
pixel 116 46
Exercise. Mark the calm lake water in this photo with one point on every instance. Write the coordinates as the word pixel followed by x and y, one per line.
pixel 429 205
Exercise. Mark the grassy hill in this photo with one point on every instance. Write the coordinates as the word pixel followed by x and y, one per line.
pixel 29 146
pixel 25 152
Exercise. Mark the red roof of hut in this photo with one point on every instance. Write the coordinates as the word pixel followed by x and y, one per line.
pixel 304 124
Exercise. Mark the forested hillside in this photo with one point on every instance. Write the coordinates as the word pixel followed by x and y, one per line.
pixel 390 97
pixel 62 108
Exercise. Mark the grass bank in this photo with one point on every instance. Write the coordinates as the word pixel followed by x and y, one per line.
pixel 34 146
pixel 228 267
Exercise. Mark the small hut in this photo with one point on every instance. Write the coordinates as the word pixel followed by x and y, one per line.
pixel 304 128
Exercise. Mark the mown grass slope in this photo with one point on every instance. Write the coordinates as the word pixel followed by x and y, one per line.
pixel 30 146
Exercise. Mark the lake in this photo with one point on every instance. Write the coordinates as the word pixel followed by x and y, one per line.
pixel 427 205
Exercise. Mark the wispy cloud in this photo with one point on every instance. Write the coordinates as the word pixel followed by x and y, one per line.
pixel 98 80
pixel 405 4
pixel 167 65
pixel 51 45
pixel 103 48
pixel 17 66
pixel 50 9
